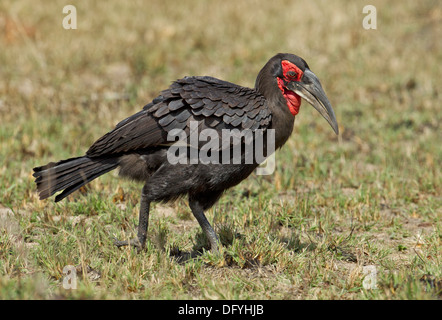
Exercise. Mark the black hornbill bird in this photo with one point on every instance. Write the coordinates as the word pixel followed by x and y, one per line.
pixel 140 143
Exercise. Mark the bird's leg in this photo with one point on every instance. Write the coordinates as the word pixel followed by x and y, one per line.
pixel 143 222
pixel 198 212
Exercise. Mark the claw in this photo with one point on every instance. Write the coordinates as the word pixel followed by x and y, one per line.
pixel 135 242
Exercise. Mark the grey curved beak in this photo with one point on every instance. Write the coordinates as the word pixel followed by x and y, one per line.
pixel 311 90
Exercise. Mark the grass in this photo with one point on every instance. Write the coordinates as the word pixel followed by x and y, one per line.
pixel 334 206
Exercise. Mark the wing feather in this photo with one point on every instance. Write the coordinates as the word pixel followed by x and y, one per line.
pixel 213 103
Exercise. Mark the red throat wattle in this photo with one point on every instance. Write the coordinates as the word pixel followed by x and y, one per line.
pixel 293 100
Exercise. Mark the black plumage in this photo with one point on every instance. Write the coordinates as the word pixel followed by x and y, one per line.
pixel 139 144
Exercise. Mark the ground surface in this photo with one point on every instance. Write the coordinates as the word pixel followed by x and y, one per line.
pixel 338 212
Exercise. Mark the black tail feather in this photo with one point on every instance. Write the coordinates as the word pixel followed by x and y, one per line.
pixel 70 174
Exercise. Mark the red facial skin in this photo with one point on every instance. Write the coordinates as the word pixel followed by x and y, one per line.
pixel 293 100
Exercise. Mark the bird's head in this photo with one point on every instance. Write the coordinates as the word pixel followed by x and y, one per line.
pixel 295 80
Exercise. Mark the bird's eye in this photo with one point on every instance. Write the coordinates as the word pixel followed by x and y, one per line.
pixel 292 74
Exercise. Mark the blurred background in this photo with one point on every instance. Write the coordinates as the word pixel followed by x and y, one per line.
pixel 62 89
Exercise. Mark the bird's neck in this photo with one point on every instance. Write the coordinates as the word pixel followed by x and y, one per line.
pixel 282 120
pixel 282 116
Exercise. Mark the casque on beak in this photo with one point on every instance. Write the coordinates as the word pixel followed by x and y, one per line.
pixel 311 90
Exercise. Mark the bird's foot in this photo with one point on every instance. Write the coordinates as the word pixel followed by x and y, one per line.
pixel 214 248
pixel 135 242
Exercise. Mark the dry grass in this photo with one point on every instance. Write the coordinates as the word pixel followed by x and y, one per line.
pixel 371 197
